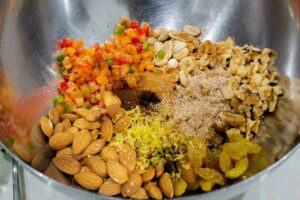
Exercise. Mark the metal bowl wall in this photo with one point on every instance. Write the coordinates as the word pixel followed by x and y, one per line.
pixel 29 29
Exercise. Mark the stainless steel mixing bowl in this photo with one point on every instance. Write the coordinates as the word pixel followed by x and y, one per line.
pixel 29 29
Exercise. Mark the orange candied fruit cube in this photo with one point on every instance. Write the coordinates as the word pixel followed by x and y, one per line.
pixel 68 99
pixel 109 44
pixel 147 64
pixel 124 69
pixel 147 54
pixel 141 68
pixel 131 33
pixel 78 44
pixel 91 51
pixel 136 58
pixel 125 39
pixel 107 56
pixel 102 79
pixel 131 49
pixel 67 63
pixel 131 82
pixel 69 51
pixel 76 94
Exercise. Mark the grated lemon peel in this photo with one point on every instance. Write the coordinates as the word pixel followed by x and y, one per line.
pixel 154 139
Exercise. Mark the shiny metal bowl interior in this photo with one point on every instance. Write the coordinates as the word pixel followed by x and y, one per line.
pixel 29 29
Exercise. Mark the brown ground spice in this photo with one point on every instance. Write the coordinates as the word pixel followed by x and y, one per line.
pixel 196 107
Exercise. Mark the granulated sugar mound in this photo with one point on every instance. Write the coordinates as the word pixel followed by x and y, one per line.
pixel 196 107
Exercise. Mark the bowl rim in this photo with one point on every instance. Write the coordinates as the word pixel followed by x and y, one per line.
pixel 57 185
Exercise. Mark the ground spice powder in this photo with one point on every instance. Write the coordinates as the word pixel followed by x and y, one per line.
pixel 196 107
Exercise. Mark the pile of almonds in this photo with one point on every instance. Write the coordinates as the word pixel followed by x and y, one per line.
pixel 81 140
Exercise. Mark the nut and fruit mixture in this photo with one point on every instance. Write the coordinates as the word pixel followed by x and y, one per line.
pixel 155 113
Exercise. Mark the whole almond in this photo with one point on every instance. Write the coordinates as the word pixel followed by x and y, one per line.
pixel 67 124
pixel 60 140
pixel 90 115
pixel 115 110
pixel 153 191
pixel 107 129
pixel 95 147
pixel 22 150
pixel 122 124
pixel 85 169
pixel 140 194
pixel 96 108
pixel 67 165
pixel 159 170
pixel 72 130
pixel 109 188
pixel 82 123
pixel 166 185
pixel 95 133
pixel 117 172
pixel 54 115
pixel 149 174
pixel 60 127
pixel 109 98
pixel 81 140
pixel 65 152
pixel 138 170
pixel 46 126
pixel 109 153
pixel 133 184
pixel 70 116
pixel 97 165
pixel 89 180
pixel 128 157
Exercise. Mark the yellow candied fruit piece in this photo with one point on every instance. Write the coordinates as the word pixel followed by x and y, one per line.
pixel 107 56
pixel 70 51
pixel 125 39
pixel 142 38
pixel 147 54
pixel 147 64
pixel 236 150
pixel 60 108
pixel 108 44
pixel 131 49
pixel 225 161
pixel 124 21
pixel 79 101
pixel 77 44
pixel 136 58
pixel 196 151
pixel 211 175
pixel 206 185
pixel 102 79
pixel 67 63
pixel 239 169
pixel 150 67
pixel 179 187
pixel 131 33
pixel 131 82
pixel 91 51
